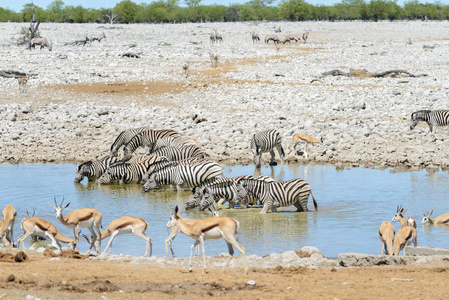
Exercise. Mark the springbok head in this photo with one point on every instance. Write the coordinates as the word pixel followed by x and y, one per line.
pixel 426 218
pixel 58 208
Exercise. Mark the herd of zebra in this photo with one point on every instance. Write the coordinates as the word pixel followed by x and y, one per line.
pixel 172 159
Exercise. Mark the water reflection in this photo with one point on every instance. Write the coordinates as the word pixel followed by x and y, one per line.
pixel 352 205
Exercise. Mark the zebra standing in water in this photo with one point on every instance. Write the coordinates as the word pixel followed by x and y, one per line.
pixel 266 141
pixel 94 169
pixel 180 175
pixel 124 137
pixel 434 118
pixel 128 172
pixel 291 192
pixel 205 194
pixel 146 138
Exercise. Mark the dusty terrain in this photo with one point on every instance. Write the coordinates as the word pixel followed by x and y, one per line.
pixel 48 277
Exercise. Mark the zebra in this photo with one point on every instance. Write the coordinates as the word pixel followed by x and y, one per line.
pixel 180 175
pixel 169 164
pixel 146 138
pixel 94 169
pixel 128 172
pixel 291 192
pixel 124 137
pixel 434 118
pixel 266 141
pixel 172 142
pixel 205 194
pixel 176 154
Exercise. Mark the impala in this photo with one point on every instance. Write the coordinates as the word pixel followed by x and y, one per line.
pixel 399 216
pixel 386 235
pixel 84 218
pixel 40 227
pixel 23 84
pixel 7 226
pixel 405 236
pixel 443 219
pixel 210 228
pixel 174 230
pixel 125 225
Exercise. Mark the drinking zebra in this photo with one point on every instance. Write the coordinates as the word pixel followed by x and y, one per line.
pixel 266 141
pixel 146 138
pixel 94 169
pixel 124 137
pixel 434 118
pixel 180 175
pixel 177 154
pixel 128 172
pixel 218 188
pixel 291 192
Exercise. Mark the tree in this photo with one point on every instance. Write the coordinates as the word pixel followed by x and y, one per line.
pixel 126 11
pixel 55 11
pixel 294 10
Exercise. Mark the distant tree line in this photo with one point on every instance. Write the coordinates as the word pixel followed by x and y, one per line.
pixel 169 11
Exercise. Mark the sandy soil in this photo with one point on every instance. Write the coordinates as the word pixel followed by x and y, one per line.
pixel 48 277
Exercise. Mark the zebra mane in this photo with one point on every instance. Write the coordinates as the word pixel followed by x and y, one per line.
pixel 220 181
pixel 87 164
pixel 263 178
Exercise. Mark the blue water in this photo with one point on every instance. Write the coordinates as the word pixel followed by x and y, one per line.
pixel 352 205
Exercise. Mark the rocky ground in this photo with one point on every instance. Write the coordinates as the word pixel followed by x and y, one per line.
pixel 81 97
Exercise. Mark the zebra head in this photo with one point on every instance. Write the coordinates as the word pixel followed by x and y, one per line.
pixel 421 115
pixel 83 170
pixel 106 177
pixel 207 199
pixel 242 192
pixel 194 199
pixel 150 184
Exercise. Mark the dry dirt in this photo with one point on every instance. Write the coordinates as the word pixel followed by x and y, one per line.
pixel 46 277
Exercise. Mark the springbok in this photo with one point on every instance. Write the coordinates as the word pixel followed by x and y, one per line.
pixel 443 219
pixel 39 227
pixel 405 236
pixel 7 227
pixel 386 235
pixel 399 216
pixel 185 67
pixel 124 225
pixel 174 230
pixel 300 138
pixel 214 59
pixel 23 84
pixel 82 217
pixel 210 228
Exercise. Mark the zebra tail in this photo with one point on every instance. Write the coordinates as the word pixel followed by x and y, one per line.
pixel 282 151
pixel 315 204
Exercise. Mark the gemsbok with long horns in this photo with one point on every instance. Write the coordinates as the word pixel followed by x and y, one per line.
pixel 386 235
pixel 399 216
pixel 405 236
pixel 36 226
pixel 124 225
pixel 83 217
pixel 7 227
pixel 443 219
pixel 210 228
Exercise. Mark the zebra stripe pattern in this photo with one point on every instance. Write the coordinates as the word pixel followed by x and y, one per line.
pixel 172 153
pixel 146 138
pixel 433 118
pixel 291 192
pixel 94 169
pixel 209 192
pixel 172 142
pixel 180 175
pixel 128 172
pixel 124 137
pixel 266 141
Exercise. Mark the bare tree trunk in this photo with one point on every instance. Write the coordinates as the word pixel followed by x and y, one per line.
pixel 33 28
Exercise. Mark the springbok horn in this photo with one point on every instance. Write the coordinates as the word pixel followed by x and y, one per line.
pixel 56 204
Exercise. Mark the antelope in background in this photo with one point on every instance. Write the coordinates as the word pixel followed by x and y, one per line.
pixel 305 138
pixel 210 228
pixel 23 84
pixel 214 59
pixel 405 236
pixel 399 216
pixel 7 225
pixel 443 219
pixel 255 37
pixel 386 235
pixel 185 67
pixel 84 218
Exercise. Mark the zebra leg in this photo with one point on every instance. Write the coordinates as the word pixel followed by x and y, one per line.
pixel 299 207
pixel 272 162
pixel 267 204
